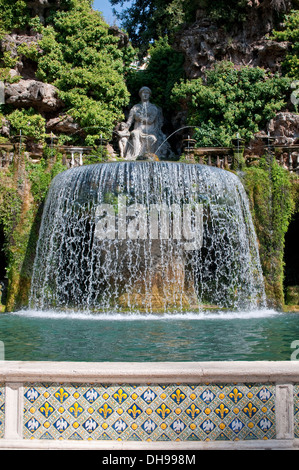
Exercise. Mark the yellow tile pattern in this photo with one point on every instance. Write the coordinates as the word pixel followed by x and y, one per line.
pixel 2 409
pixel 149 412
pixel 296 411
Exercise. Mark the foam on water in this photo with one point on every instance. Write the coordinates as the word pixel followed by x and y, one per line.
pixel 116 316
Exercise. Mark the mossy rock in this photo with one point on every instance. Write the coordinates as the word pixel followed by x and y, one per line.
pixel 292 295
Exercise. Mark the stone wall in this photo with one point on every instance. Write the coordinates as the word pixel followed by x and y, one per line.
pixel 205 42
pixel 149 406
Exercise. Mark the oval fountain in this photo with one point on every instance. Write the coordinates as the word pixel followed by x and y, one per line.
pixel 146 236
pixel 145 239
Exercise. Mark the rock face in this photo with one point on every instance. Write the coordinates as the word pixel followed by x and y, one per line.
pixel 28 92
pixel 10 43
pixel 285 128
pixel 63 124
pixel 32 93
pixel 249 43
pixel 41 8
pixel 245 44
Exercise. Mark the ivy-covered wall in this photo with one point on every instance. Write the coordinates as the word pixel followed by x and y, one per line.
pixel 272 193
pixel 23 187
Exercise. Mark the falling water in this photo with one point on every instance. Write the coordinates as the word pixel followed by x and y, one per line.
pixel 87 259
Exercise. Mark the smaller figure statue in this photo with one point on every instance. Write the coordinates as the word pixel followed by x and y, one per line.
pixel 123 136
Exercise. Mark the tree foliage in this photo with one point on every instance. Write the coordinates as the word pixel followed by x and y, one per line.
pixel 148 20
pixel 14 14
pixel 233 100
pixel 83 60
pixel 80 55
pixel 290 32
pixel 164 69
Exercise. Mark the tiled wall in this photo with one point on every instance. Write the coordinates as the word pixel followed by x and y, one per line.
pixel 2 410
pixel 80 405
pixel 296 411
pixel 153 412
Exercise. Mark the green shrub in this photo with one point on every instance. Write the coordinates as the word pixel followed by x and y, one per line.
pixel 29 122
pixel 84 61
pixel 290 33
pixel 232 100
pixel 14 14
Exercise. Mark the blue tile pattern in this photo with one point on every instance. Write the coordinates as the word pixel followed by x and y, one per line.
pixel 149 412
pixel 296 411
pixel 2 409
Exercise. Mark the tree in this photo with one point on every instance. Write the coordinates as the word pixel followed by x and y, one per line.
pixel 147 20
pixel 164 69
pixel 80 55
pixel 83 60
pixel 233 100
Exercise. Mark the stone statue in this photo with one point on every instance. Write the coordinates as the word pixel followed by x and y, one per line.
pixel 123 137
pixel 146 136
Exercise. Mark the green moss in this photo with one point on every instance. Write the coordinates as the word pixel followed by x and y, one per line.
pixel 22 192
pixel 271 197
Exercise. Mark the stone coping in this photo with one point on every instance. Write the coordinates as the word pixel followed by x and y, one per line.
pixel 151 372
pixel 278 444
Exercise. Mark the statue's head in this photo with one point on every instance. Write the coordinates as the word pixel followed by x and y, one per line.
pixel 145 89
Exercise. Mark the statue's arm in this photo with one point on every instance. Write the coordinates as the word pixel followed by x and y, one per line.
pixel 131 117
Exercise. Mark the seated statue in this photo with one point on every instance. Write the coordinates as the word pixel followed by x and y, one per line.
pixel 146 136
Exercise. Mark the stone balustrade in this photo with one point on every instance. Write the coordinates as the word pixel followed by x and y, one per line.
pixel 208 405
pixel 220 157
pixel 225 158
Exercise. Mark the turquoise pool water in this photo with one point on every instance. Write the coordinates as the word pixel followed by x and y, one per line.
pixel 245 336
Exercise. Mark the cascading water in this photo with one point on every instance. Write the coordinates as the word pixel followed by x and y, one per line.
pixel 148 237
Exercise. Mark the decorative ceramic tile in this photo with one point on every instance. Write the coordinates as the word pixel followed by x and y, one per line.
pixel 2 409
pixel 149 412
pixel 296 410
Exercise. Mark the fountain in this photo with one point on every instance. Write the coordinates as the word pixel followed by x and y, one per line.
pixel 146 236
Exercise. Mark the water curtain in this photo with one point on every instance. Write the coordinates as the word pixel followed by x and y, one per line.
pixel 147 237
